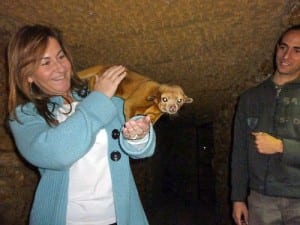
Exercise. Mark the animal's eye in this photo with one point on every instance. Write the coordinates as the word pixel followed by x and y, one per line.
pixel 164 99
pixel 179 100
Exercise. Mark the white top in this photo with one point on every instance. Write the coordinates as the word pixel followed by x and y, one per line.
pixel 90 186
pixel 90 196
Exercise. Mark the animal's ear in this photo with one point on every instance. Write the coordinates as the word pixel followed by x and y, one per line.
pixel 155 96
pixel 151 98
pixel 188 99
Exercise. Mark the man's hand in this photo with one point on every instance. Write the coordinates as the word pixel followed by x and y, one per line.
pixel 240 213
pixel 267 144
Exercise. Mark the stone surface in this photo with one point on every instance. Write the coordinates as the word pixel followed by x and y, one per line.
pixel 208 47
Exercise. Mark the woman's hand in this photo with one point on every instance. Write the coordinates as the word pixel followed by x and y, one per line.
pixel 109 81
pixel 137 129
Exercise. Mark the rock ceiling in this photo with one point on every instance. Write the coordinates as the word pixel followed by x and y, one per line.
pixel 209 47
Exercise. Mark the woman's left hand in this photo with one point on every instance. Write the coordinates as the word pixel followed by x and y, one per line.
pixel 137 129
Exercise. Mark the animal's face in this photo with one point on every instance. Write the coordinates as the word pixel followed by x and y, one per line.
pixel 170 98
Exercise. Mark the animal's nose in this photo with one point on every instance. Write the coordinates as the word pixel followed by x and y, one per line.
pixel 173 108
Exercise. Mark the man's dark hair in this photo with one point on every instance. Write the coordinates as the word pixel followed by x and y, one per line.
pixel 294 27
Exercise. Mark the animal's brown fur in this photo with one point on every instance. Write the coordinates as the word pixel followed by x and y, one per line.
pixel 142 95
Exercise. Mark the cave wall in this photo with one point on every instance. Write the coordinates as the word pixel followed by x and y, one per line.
pixel 205 46
pixel 17 178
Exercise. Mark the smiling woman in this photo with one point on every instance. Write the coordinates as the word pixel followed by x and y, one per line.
pixel 31 53
pixel 78 139
pixel 54 71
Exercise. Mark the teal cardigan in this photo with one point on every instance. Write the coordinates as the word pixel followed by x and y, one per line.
pixel 53 150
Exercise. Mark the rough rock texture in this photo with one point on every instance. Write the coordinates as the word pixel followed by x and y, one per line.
pixel 206 46
pixel 214 49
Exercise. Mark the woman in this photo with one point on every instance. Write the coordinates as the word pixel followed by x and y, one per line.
pixel 79 141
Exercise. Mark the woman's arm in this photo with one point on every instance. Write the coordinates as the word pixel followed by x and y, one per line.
pixel 59 147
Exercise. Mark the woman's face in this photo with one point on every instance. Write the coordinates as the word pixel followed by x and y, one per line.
pixel 53 75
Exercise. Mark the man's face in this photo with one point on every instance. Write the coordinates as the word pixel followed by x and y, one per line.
pixel 288 54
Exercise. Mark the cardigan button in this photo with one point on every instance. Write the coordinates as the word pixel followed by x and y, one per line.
pixel 115 134
pixel 115 156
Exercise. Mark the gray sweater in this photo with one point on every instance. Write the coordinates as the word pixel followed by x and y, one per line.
pixel 276 111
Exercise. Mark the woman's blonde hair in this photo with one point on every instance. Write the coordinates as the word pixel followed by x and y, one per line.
pixel 24 52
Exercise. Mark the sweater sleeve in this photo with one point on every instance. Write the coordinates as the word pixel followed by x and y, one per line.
pixel 239 159
pixel 59 147
pixel 291 153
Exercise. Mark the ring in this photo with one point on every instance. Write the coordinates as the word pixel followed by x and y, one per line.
pixel 135 137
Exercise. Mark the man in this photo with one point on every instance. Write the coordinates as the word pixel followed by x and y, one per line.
pixel 266 149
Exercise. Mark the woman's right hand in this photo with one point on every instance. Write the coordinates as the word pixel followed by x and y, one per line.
pixel 108 82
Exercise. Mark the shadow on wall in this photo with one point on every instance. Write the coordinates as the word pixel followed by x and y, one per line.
pixel 183 189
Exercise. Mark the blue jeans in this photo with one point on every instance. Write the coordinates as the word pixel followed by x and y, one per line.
pixel 267 210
